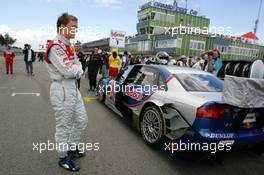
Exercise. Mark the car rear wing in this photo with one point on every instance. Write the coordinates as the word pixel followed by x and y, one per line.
pixel 243 92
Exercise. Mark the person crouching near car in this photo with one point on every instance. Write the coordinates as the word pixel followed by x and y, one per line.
pixel 64 69
pixel 9 56
pixel 114 63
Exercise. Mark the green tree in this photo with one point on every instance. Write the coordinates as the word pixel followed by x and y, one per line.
pixel 6 39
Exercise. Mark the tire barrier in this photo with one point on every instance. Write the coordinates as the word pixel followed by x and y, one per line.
pixel 247 69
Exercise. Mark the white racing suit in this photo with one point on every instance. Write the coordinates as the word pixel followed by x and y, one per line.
pixel 71 118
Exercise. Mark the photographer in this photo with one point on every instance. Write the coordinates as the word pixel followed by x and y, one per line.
pixel 29 58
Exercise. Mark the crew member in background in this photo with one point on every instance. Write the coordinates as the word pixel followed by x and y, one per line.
pixel 114 63
pixel 172 62
pixel 210 67
pixel 125 61
pixel 29 58
pixel 217 60
pixel 9 56
pixel 81 58
pixel 64 69
pixel 94 64
pixel 105 66
pixel 205 58
pixel 41 56
pixel 198 64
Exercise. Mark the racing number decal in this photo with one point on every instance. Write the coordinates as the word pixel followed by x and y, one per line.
pixel 135 95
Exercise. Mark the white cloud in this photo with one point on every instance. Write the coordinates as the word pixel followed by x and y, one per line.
pixel 105 3
pixel 108 3
pixel 39 35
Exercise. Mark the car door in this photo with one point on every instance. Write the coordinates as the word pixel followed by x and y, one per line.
pixel 114 85
pixel 140 86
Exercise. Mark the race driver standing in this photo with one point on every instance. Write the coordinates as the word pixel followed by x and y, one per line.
pixel 64 69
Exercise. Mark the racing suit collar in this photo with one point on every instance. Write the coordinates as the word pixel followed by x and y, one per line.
pixel 64 40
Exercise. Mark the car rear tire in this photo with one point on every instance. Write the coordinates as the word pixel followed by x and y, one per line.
pixel 152 126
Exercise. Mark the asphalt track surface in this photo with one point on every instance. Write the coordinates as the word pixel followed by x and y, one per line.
pixel 28 118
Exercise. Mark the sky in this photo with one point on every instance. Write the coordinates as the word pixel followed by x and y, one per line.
pixel 34 21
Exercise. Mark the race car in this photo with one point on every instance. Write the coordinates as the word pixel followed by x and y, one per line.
pixel 176 103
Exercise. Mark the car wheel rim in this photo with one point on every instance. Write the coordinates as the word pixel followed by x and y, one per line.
pixel 151 126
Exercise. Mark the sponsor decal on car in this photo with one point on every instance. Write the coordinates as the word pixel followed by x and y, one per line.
pixel 134 94
pixel 219 135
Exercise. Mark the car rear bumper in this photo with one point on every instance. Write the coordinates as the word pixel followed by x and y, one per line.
pixel 239 138
pixel 222 130
pixel 209 141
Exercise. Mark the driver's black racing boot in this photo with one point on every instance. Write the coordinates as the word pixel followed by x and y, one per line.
pixel 68 164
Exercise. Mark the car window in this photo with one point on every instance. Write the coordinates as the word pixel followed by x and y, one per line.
pixel 200 82
pixel 161 81
pixel 147 77
pixel 126 73
pixel 132 74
